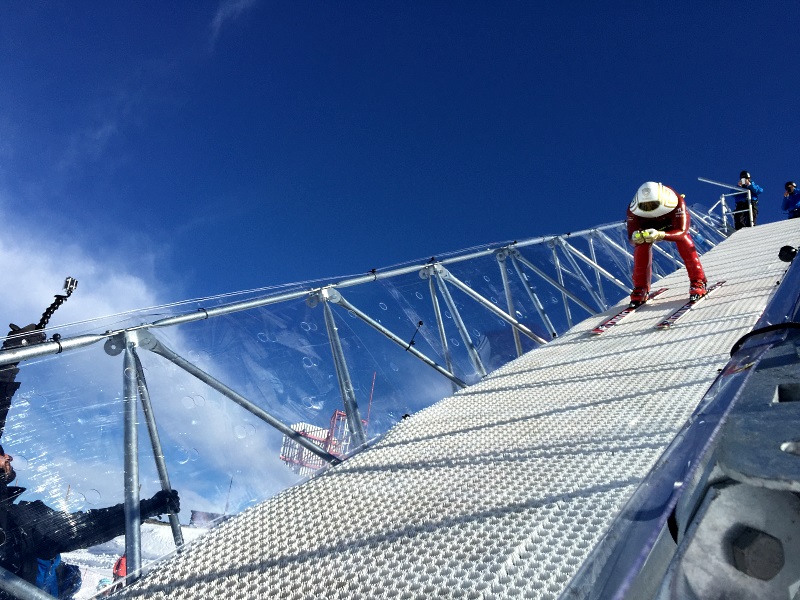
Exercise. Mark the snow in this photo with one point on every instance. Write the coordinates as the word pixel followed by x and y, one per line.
pixel 97 562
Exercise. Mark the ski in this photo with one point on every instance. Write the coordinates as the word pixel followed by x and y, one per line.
pixel 610 322
pixel 671 320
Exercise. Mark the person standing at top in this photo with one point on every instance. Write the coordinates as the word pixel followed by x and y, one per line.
pixel 791 200
pixel 742 216
pixel 656 214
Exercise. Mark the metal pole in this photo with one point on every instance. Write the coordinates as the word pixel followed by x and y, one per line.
pixel 133 517
pixel 710 227
pixel 515 254
pixel 725 185
pixel 724 208
pixel 204 313
pixel 19 354
pixel 700 221
pixel 448 276
pixel 15 355
pixel 448 359
pixel 501 262
pixel 532 295
pixel 149 342
pixel 566 248
pixel 336 296
pixel 592 262
pixel 19 588
pixel 343 375
pixel 155 442
pixel 462 329
pixel 593 258
pixel 560 274
pixel 628 269
pixel 704 226
pixel 736 189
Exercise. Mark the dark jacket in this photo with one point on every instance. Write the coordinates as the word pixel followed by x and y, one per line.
pixel 31 530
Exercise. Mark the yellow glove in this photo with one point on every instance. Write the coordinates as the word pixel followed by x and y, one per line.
pixel 653 235
pixel 638 237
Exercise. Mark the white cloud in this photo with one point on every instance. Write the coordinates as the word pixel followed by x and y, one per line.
pixel 229 10
pixel 68 413
pixel 34 263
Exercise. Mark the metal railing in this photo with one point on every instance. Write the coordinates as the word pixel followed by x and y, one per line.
pixel 725 212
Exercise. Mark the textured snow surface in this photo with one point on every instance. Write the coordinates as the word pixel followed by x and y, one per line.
pixel 503 489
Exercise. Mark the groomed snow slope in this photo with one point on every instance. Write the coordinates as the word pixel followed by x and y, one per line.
pixel 503 489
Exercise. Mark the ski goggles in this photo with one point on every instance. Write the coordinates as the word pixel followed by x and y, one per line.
pixel 649 205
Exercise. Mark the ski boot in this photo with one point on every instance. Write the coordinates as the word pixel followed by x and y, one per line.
pixel 697 289
pixel 638 297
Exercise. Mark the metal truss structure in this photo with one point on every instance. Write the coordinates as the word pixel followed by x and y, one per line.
pixel 459 316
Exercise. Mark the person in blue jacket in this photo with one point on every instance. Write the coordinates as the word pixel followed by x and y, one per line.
pixel 791 200
pixel 742 216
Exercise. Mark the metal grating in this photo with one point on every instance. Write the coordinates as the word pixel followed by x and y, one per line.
pixel 504 488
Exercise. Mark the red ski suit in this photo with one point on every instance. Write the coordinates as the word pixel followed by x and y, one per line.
pixel 675 225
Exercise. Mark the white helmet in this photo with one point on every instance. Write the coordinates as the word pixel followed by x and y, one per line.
pixel 653 200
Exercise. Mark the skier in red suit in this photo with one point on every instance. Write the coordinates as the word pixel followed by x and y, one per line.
pixel 657 213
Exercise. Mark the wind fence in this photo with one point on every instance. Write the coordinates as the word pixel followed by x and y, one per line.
pixel 231 399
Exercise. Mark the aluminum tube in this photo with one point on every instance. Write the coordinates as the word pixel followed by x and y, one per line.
pixel 184 364
pixel 15 355
pixel 437 311
pixel 398 340
pixel 202 314
pixel 534 298
pixel 19 354
pixel 19 588
pixel 592 262
pixel 576 267
pixel 705 226
pixel 206 313
pixel 615 246
pixel 133 517
pixel 560 272
pixel 354 421
pixel 598 279
pixel 553 282
pixel 478 254
pixel 462 329
pixel 725 211
pixel 495 309
pixel 725 185
pixel 501 262
pixel 155 442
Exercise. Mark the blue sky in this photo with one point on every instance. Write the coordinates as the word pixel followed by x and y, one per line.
pixel 190 149
pixel 159 151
